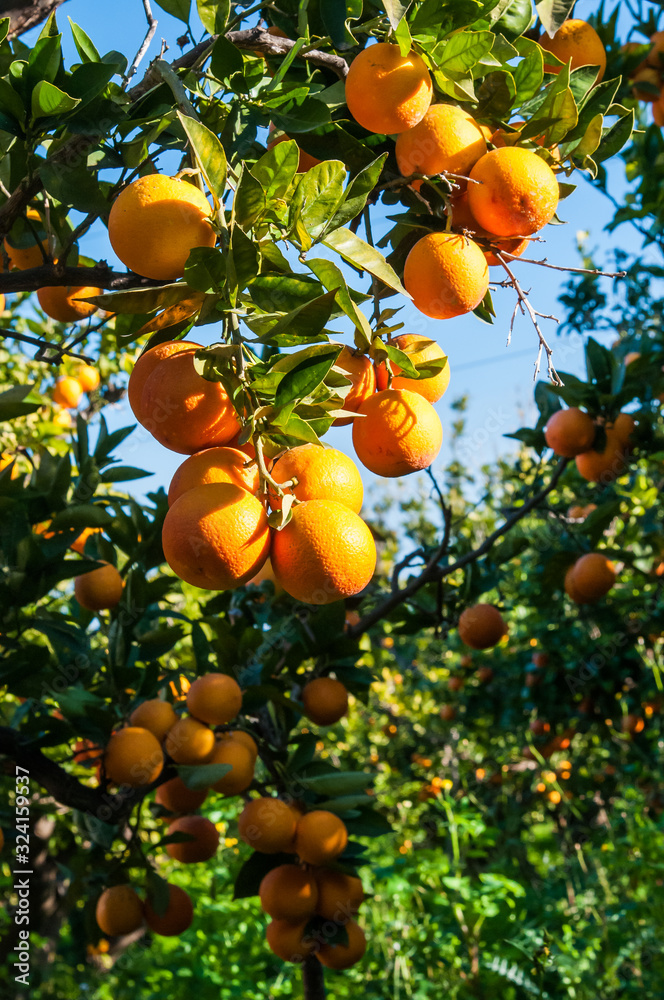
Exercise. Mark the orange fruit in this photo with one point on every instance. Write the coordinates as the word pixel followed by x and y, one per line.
pixel 387 92
pixel 177 917
pixel 420 350
pixel 321 474
pixel 214 698
pixel 325 700
pixel 241 761
pixel 133 757
pixel 306 160
pixel 517 192
pixel 64 302
pixel 27 253
pixel 399 433
pixel 146 365
pixel 99 589
pixel 177 798
pixel 624 426
pixel 289 942
pixel 267 573
pixel 592 578
pixel 606 465
pixel 189 741
pixel 320 837
pixel 446 139
pixel 324 553
pixel 155 222
pixel 119 911
pixel 575 40
pixel 631 356
pixel 339 895
pixel 463 219
pixel 481 626
pixel 214 465
pixel 67 392
pixel 484 674
pixel 79 544
pixel 239 736
pixel 631 724
pixel 88 377
pixel 361 373
pixel 570 432
pixel 216 537
pixel 342 956
pixel 289 893
pixel 204 844
pixel 447 713
pixel 184 411
pixel 156 715
pixel 267 825
pixel 570 588
pixel 653 80
pixel 446 274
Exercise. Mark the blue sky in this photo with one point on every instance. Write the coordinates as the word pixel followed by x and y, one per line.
pixel 498 379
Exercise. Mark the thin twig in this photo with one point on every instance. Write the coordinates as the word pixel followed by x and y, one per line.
pixel 572 270
pixel 525 306
pixel 59 351
pixel 152 27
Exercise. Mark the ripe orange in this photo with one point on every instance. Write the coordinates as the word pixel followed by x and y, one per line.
pixel 446 139
pixel 320 837
pixel 606 465
pixel 399 432
pixel 361 373
pixel 321 474
pixel 267 825
pixel 155 222
pixel 88 377
pixel 184 411
pixel 632 724
pixel 214 698
pixel 387 92
pixel 481 626
pixel 133 757
pixel 570 588
pixel 593 577
pixel 214 465
pixel 204 844
pixel 624 426
pixel 324 553
pixel 177 798
pixel 27 253
pixel 339 895
pixel 447 713
pixel 290 942
pixel 216 537
pixel 289 893
pixel 146 365
pixel 119 911
pixel 446 274
pixel 420 350
pixel 156 715
pixel 79 544
pixel 189 741
pixel 64 302
pixel 517 192
pixel 99 589
pixel 463 219
pixel 176 919
pixel 239 736
pixel 241 761
pixel 652 78
pixel 575 40
pixel 67 392
pixel 325 701
pixel 343 956
pixel 570 432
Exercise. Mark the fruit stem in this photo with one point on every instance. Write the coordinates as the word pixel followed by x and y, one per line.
pixel 267 481
pixel 313 979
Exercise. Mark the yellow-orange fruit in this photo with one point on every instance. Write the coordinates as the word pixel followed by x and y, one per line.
pixel 216 537
pixel 361 373
pixel 289 893
pixel 177 798
pixel 146 365
pixel 593 577
pixel 241 761
pixel 133 757
pixel 325 700
pixel 321 474
pixel 29 253
pixel 267 825
pixel 88 377
pixel 339 895
pixel 463 219
pixel 184 411
pixel 67 392
pixel 570 432
pixel 446 139
pixel 652 79
pixel 575 40
pixel 239 736
pixel 399 433
pixel 99 589
pixel 290 942
pixel 64 302
pixel 156 222
pixel 481 626
pixel 177 917
pixel 343 956
pixel 570 588
pixel 516 193
pixel 189 741
pixel 119 911
pixel 204 844
pixel 324 553
pixel 446 274
pixel 215 699
pixel 156 715
pixel 320 837
pixel 624 426
pixel 606 465
pixel 214 465
pixel 387 92
pixel 419 350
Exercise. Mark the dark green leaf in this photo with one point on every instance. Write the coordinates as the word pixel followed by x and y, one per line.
pixel 209 154
pixel 199 776
pixel 306 376
pixel 48 100
pixel 178 8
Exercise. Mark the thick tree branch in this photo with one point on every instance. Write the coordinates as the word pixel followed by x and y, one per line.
pixel 99 276
pixel 27 14
pixel 313 979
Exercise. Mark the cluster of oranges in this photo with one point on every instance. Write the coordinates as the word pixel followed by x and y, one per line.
pixel 572 433
pixel 69 389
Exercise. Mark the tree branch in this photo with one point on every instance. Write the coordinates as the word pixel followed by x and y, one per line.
pixel 99 276
pixel 27 14
pixel 145 45
pixel 313 979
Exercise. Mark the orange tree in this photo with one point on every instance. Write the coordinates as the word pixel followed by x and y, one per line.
pixel 134 680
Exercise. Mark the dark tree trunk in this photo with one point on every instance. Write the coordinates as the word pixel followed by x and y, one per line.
pixel 313 979
pixel 27 14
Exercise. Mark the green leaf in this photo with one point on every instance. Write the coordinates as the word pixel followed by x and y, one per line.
pixel 558 112
pixel 396 11
pixel 457 55
pixel 513 18
pixel 307 320
pixel 337 783
pixel 4 28
pixel 293 426
pixel 553 13
pixel 45 59
pixel 250 201
pixel 142 300
pixel 213 14
pixel 254 870
pixel 317 196
pixel 332 278
pixel 529 72
pixel 355 251
pixel 178 8
pixel 403 37
pixel 209 153
pixel 304 117
pixel 158 892
pixel 615 138
pixel 276 170
pixel 225 60
pixel 83 516
pixel 199 776
pixel 48 100
pixel 18 402
pixel 84 44
pixel 123 473
pixel 335 16
pixel 205 271
pixel 357 192
pixel 401 359
pixel 305 377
